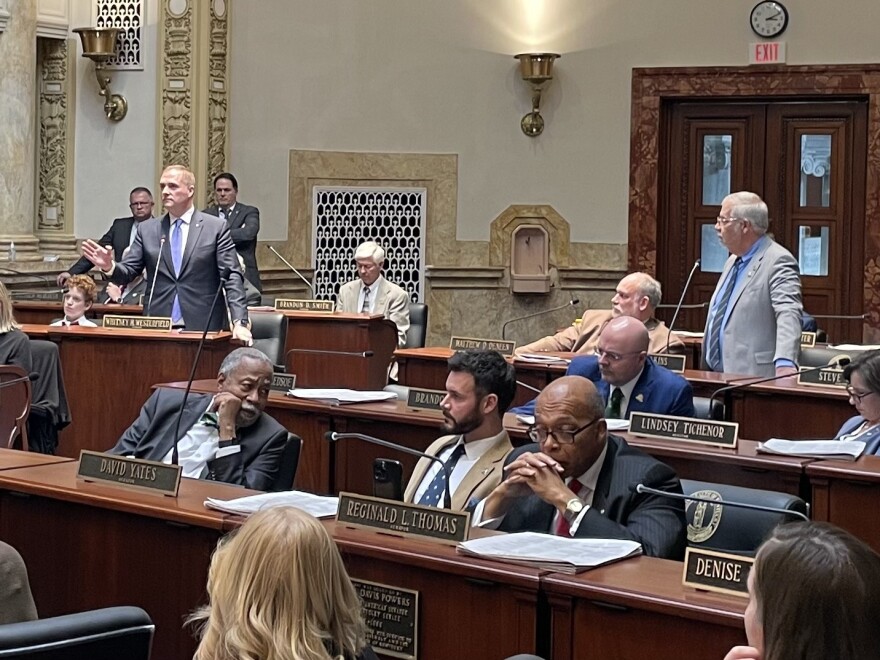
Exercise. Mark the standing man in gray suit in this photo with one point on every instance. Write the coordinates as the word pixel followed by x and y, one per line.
pixel 754 321
pixel 243 222
pixel 186 253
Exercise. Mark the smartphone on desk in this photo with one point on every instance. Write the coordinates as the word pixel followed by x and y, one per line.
pixel 388 479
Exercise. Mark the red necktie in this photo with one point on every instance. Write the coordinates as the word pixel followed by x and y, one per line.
pixel 562 527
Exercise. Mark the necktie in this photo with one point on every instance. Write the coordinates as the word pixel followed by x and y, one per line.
pixel 176 259
pixel 562 526
pixel 436 489
pixel 365 308
pixel 612 410
pixel 713 350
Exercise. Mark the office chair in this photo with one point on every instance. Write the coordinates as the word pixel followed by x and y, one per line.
pixel 269 332
pixel 702 408
pixel 15 409
pixel 820 356
pixel 418 326
pixel 289 463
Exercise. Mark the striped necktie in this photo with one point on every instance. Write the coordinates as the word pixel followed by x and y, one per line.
pixel 713 349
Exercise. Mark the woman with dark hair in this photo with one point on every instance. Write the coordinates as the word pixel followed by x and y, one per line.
pixel 863 376
pixel 814 594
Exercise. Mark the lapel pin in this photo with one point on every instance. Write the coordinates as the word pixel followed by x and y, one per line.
pixel 640 398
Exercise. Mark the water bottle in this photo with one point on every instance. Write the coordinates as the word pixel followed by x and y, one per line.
pixel 11 250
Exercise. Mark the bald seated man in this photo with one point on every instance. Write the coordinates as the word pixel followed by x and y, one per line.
pixel 626 378
pixel 578 480
pixel 637 295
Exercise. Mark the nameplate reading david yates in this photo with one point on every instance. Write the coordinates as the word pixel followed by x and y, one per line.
pixel 132 473
pixel 394 517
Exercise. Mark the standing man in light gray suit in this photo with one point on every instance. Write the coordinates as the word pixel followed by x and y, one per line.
pixel 754 322
pixel 186 253
pixel 243 221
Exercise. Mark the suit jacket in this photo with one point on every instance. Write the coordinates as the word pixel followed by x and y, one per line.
pixel 151 437
pixel 658 523
pixel 391 301
pixel 117 236
pixel 657 390
pixel 208 251
pixel 479 481
pixel 132 295
pixel 871 437
pixel 764 324
pixel 244 225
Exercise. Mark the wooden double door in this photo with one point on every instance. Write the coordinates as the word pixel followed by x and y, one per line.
pixel 806 159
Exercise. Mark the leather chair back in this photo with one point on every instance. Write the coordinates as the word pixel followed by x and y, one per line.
pixel 289 463
pixel 418 326
pixel 819 356
pixel 16 407
pixel 706 408
pixel 269 331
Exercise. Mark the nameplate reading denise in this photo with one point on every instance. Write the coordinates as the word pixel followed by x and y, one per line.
pixel 723 573
pixel 395 517
pixel 134 473
pixel 137 322
pixel 283 382
pixel 684 429
pixel 424 399
pixel 471 344
pixel 392 618
pixel 674 363
pixel 296 305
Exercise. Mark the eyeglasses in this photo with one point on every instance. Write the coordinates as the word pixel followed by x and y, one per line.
pixel 725 220
pixel 857 396
pixel 613 357
pixel 539 434
pixel 134 204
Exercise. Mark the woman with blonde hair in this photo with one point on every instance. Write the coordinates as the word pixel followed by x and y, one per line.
pixel 277 590
pixel 15 348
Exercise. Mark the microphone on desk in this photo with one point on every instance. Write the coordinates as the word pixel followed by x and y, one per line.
pixel 684 291
pixel 570 303
pixel 289 265
pixel 642 489
pixel 842 362
pixel 224 277
pixel 38 276
pixel 528 387
pixel 33 376
pixel 332 436
pixel 155 276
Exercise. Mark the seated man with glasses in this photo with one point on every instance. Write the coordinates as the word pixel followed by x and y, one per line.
pixel 627 379
pixel 577 480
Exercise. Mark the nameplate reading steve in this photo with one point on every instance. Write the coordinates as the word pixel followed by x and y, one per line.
pixel 424 399
pixel 295 305
pixel 684 429
pixel 426 522
pixel 283 383
pixel 392 618
pixel 674 363
pixel 720 572
pixel 830 377
pixel 470 344
pixel 133 473
pixel 137 322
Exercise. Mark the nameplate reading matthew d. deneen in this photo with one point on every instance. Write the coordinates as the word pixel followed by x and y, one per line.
pixel 471 343
pixel 406 519
pixel 134 473
pixel 296 305
pixel 137 322
pixel 392 618
pixel 716 571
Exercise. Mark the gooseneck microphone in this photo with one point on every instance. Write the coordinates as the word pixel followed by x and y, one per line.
pixel 33 376
pixel 642 489
pixel 155 276
pixel 332 436
pixel 37 276
pixel 289 265
pixel 570 303
pixel 322 351
pixel 528 387
pixel 684 291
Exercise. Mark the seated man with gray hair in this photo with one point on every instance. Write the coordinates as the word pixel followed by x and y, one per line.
pixel 222 437
pixel 371 293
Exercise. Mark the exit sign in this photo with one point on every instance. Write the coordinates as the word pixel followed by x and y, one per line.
pixel 767 52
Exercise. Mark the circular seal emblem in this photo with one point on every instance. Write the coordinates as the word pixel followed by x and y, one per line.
pixel 706 517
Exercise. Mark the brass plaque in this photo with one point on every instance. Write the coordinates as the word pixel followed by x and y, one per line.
pixel 425 522
pixel 684 429
pixel 808 339
pixel 134 473
pixel 830 377
pixel 283 383
pixel 392 618
pixel 470 344
pixel 723 573
pixel 425 399
pixel 672 362
pixel 137 322
pixel 297 305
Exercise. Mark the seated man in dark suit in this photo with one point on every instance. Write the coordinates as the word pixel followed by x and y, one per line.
pixel 579 481
pixel 225 437
pixel 626 378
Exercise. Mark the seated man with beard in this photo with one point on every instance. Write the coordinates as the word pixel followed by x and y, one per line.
pixel 479 389
pixel 224 437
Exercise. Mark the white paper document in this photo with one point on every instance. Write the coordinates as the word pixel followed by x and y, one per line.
pixel 317 505
pixel 542 358
pixel 613 424
pixel 854 347
pixel 556 553
pixel 688 333
pixel 848 450
pixel 338 397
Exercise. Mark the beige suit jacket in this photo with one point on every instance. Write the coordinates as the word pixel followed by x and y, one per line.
pixel 479 481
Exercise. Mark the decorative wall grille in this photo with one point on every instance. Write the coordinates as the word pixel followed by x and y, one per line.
pixel 344 217
pixel 128 16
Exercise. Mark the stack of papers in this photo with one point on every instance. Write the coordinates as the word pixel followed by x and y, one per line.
pixel 335 397
pixel 554 553
pixel 847 450
pixel 688 333
pixel 854 347
pixel 316 505
pixel 612 424
pixel 542 358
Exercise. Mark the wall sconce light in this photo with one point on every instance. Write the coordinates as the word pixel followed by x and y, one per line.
pixel 99 45
pixel 537 70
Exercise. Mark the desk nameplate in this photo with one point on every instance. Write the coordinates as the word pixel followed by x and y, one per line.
pixel 808 339
pixel 137 322
pixel 283 383
pixel 720 572
pixel 131 473
pixel 674 363
pixel 392 618
pixel 393 517
pixel 684 429
pixel 424 399
pixel 298 305
pixel 830 377
pixel 471 343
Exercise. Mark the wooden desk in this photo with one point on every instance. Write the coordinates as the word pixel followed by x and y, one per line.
pixel 845 493
pixel 90 545
pixel 11 459
pixel 638 609
pixel 44 312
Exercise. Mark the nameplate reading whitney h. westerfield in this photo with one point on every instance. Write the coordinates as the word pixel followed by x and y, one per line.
pixel 295 305
pixel 137 322
pixel 723 573
pixel 832 376
pixel 283 383
pixel 392 618
pixel 424 399
pixel 471 344
pixel 808 339
pixel 133 473
pixel 672 362
pixel 684 429
pixel 394 517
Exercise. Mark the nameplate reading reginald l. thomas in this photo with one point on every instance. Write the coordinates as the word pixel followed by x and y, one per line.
pixel 684 429
pixel 296 305
pixel 134 473
pixel 137 322
pixel 394 517
pixel 470 344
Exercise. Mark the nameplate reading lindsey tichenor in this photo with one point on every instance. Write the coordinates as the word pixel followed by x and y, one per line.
pixel 469 344
pixel 685 429
pixel 392 618
pixel 830 377
pixel 808 339
pixel 381 515
pixel 137 322
pixel 672 362
pixel 424 399
pixel 134 473
pixel 723 573
pixel 283 383
pixel 295 305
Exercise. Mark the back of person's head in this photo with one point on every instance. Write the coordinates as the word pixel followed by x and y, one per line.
pixel 277 590
pixel 7 317
pixel 818 593
pixel 491 372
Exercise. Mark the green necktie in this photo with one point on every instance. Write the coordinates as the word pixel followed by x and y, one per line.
pixel 612 410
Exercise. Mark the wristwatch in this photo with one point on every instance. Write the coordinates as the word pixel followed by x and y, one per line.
pixel 573 509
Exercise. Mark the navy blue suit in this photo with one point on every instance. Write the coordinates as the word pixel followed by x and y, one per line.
pixel 657 390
